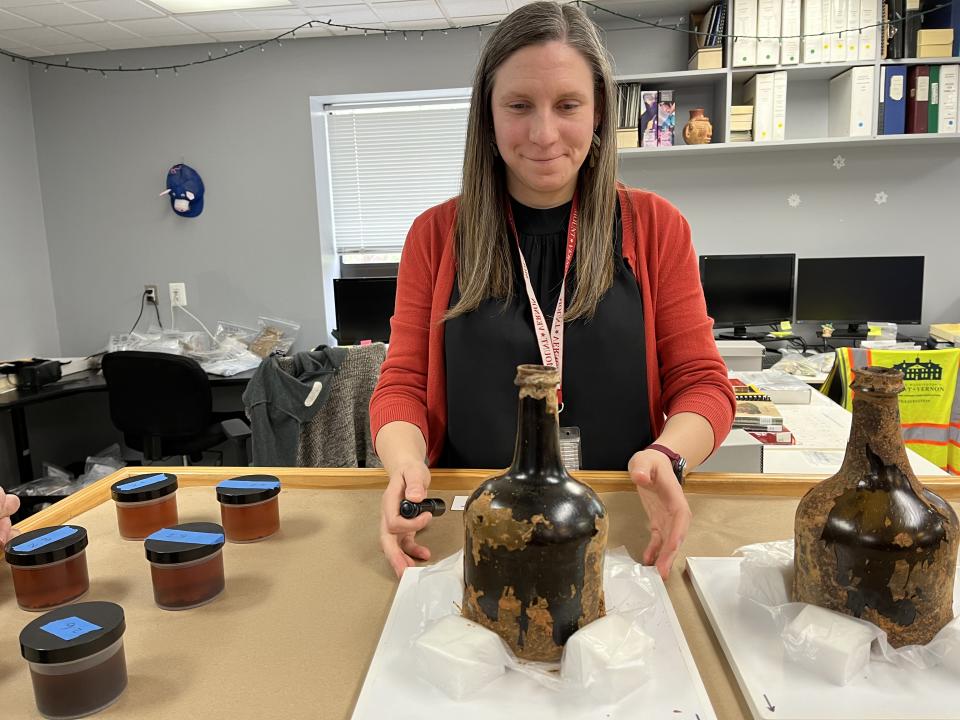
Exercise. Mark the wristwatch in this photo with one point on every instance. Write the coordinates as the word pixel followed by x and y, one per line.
pixel 678 462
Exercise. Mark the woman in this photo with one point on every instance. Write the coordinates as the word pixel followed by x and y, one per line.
pixel 641 375
pixel 9 504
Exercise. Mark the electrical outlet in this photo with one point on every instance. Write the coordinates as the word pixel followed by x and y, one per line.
pixel 151 294
pixel 178 294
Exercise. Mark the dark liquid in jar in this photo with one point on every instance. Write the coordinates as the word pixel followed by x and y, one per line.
pixel 46 586
pixel 179 587
pixel 83 692
pixel 246 523
pixel 137 520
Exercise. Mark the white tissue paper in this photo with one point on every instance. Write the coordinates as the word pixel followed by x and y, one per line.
pixel 766 578
pixel 608 658
pixel 612 656
pixel 459 656
pixel 834 646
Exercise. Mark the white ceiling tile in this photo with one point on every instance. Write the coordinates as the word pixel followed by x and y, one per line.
pixel 346 14
pixel 39 36
pixel 275 19
pixel 407 10
pixel 25 50
pixel 245 35
pixel 25 3
pixel 420 24
pixel 478 20
pixel 117 9
pixel 73 48
pixel 471 8
pixel 56 15
pixel 185 7
pixel 185 39
pixel 216 22
pixel 128 42
pixel 98 32
pixel 514 4
pixel 9 21
pixel 324 3
pixel 155 27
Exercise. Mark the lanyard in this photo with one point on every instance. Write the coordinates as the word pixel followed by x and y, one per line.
pixel 550 339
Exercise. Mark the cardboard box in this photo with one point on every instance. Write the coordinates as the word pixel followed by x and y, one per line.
pixel 739 453
pixel 937 36
pixel 935 51
pixel 741 354
pixel 706 59
pixel 628 138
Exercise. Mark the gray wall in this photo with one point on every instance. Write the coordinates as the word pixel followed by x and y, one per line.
pixel 27 317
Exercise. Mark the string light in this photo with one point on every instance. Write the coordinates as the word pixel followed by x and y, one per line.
pixel 595 9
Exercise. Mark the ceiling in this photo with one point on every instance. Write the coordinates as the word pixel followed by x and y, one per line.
pixel 35 28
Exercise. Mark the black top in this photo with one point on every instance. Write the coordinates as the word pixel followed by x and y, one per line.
pixel 46 545
pixel 248 489
pixel 144 487
pixel 72 632
pixel 184 543
pixel 604 363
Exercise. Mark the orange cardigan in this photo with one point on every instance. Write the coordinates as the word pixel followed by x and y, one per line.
pixel 684 370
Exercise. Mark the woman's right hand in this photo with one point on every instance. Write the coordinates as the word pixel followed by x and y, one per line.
pixel 9 504
pixel 409 481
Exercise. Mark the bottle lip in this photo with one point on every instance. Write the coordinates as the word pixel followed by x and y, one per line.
pixel 72 632
pixel 877 380
pixel 46 545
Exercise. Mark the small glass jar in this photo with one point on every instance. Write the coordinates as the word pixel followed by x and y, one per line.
pixel 249 507
pixel 145 504
pixel 76 659
pixel 186 563
pixel 49 566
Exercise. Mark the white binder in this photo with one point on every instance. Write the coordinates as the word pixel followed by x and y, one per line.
pixel 852 36
pixel 869 35
pixel 758 91
pixel 947 113
pixel 812 27
pixel 769 13
pixel 791 27
pixel 780 105
pixel 838 27
pixel 851 103
pixel 744 33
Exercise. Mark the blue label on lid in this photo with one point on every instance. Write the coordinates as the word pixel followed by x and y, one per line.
pixel 250 484
pixel 70 628
pixel 45 539
pixel 142 482
pixel 186 536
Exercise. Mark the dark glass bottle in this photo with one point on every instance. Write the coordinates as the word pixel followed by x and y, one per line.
pixel 535 537
pixel 871 541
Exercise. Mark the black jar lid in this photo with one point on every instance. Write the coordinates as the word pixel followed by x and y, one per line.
pixel 144 487
pixel 183 543
pixel 46 545
pixel 248 489
pixel 72 632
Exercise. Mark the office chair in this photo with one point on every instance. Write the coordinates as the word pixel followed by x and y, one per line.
pixel 163 405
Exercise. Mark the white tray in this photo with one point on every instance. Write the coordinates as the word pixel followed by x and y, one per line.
pixel 776 689
pixel 393 690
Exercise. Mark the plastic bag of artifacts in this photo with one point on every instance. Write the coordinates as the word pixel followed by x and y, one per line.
pixel 835 646
pixel 609 658
pixel 793 362
pixel 274 337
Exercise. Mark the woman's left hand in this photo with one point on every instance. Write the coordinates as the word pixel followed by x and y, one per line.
pixel 666 506
pixel 9 504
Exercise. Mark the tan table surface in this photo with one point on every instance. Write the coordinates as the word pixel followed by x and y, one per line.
pixel 295 630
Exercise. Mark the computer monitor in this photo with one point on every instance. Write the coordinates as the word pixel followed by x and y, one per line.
pixel 744 290
pixel 855 290
pixel 364 307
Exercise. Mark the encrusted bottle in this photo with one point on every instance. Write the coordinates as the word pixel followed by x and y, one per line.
pixel 535 537
pixel 871 541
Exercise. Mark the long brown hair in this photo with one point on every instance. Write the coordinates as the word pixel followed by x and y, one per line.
pixel 480 234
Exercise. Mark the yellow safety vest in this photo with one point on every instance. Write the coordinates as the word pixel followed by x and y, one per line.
pixel 929 404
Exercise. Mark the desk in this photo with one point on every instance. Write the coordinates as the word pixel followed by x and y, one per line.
pixel 295 631
pixel 86 381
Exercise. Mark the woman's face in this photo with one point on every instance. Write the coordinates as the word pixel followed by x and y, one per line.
pixel 544 117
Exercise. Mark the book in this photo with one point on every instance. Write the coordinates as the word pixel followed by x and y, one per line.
pixel 949 332
pixel 769 14
pixel 782 388
pixel 648 118
pixel 838 31
pixel 791 25
pixel 882 97
pixel 774 437
pixel 949 85
pixel 744 33
pixel 812 27
pixel 851 37
pixel 780 105
pixel 757 414
pixel 758 91
pixel 895 100
pixel 851 103
pixel 911 26
pixel 868 35
pixel 933 108
pixel 746 392
pixel 918 97
pixel 666 118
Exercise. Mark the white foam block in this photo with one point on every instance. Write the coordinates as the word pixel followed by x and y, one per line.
pixel 609 658
pixel 767 582
pixel 459 656
pixel 832 645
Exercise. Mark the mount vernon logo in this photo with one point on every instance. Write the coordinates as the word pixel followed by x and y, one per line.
pixel 917 370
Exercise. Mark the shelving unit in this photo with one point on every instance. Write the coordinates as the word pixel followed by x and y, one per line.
pixel 807 100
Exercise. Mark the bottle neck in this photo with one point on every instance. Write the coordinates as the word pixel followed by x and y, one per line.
pixel 876 427
pixel 537 451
